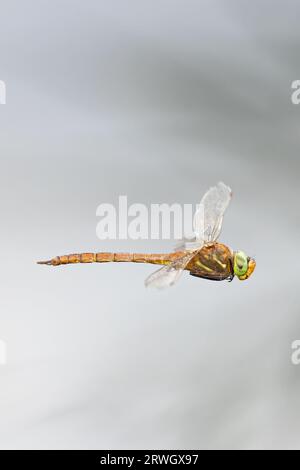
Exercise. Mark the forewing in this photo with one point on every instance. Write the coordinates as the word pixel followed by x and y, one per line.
pixel 209 215
pixel 187 244
pixel 170 274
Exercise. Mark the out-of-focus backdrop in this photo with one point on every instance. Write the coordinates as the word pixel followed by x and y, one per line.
pixel 158 101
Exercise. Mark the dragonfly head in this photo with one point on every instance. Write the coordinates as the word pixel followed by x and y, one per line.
pixel 243 265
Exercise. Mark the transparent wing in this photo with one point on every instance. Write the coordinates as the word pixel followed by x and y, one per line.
pixel 168 275
pixel 209 215
pixel 188 244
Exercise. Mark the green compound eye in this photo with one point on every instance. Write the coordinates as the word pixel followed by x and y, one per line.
pixel 240 263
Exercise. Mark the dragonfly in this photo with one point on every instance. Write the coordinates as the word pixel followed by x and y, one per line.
pixel 202 255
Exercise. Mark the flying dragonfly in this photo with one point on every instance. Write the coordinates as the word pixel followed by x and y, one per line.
pixel 203 256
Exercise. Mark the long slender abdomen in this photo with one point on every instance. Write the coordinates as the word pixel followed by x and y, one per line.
pixel 163 259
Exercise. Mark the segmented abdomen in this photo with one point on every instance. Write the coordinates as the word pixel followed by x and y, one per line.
pixel 104 257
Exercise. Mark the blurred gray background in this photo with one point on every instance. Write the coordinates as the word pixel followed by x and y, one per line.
pixel 158 101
